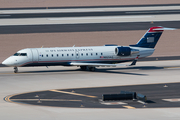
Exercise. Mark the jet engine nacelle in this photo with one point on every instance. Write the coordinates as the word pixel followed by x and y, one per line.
pixel 125 51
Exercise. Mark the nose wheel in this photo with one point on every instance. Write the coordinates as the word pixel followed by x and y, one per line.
pixel 15 69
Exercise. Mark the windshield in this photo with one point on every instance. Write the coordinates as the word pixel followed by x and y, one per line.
pixel 20 54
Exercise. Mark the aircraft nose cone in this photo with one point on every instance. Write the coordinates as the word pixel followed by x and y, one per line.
pixel 7 62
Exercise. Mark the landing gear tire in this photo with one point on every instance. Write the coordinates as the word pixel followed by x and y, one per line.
pixel 15 69
pixel 92 69
pixel 83 68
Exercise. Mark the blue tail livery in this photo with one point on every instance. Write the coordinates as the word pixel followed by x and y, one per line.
pixel 151 37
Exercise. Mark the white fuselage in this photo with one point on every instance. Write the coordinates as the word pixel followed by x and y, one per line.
pixel 66 55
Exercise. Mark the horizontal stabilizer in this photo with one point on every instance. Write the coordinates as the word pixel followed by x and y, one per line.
pixel 134 61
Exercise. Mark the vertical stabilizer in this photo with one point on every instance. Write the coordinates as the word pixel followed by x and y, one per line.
pixel 151 37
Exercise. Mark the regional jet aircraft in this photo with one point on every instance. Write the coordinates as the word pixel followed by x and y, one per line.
pixel 87 57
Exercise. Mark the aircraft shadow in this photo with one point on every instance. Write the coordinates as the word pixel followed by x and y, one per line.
pixel 118 72
pixel 112 70
pixel 136 67
pixel 104 70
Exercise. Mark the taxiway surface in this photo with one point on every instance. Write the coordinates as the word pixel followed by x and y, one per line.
pixel 72 79
pixel 40 78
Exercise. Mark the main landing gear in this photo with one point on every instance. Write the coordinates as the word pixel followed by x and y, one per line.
pixel 92 69
pixel 15 69
pixel 84 68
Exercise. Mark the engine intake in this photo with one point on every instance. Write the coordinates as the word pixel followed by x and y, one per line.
pixel 125 51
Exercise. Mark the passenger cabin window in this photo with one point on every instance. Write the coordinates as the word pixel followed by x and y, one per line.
pixel 47 55
pixel 96 53
pixel 67 54
pixel 72 54
pixel 20 54
pixel 91 54
pixel 57 55
pixel 81 54
pixel 101 53
pixel 42 55
pixel 52 55
pixel 86 54
pixel 62 55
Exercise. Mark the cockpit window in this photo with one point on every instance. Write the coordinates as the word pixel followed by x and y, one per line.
pixel 23 54
pixel 17 54
pixel 20 54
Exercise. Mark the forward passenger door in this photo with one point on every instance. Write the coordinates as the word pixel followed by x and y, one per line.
pixel 35 55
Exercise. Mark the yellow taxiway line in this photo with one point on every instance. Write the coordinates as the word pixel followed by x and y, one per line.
pixel 129 107
pixel 44 100
pixel 72 93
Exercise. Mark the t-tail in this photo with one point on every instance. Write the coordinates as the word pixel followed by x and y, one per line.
pixel 151 37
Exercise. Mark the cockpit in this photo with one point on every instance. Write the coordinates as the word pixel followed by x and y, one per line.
pixel 20 54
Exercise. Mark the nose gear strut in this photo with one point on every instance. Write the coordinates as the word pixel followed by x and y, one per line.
pixel 15 69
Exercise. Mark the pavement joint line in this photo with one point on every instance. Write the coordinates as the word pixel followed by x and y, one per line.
pixel 129 107
pixel 44 100
pixel 72 93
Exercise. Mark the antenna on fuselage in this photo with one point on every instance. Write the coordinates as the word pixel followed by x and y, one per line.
pixel 42 46
pixel 73 45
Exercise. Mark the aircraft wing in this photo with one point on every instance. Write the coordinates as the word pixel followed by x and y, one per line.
pixel 103 65
pixel 97 64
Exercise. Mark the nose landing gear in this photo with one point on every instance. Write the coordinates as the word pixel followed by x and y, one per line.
pixel 15 69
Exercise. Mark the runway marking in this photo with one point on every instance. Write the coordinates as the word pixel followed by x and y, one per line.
pixel 72 93
pixel 95 18
pixel 141 102
pixel 44 100
pixel 172 100
pixel 113 103
pixel 129 107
